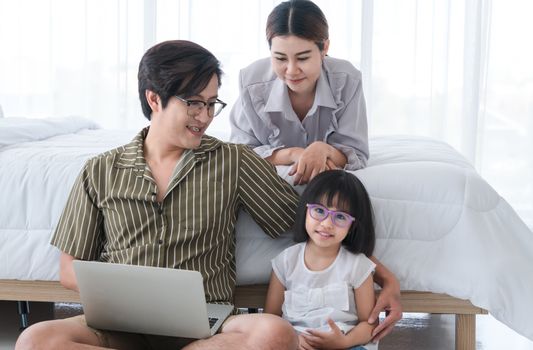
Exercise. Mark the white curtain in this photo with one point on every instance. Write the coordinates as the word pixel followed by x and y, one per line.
pixel 459 71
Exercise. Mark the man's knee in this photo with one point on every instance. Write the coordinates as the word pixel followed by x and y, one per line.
pixel 38 336
pixel 56 334
pixel 273 332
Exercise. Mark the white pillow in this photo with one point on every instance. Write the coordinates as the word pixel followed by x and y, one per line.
pixel 16 130
pixel 1 112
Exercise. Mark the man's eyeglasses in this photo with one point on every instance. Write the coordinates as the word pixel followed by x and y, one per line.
pixel 195 107
pixel 339 218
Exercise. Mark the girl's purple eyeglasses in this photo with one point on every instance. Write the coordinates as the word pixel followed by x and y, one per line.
pixel 339 218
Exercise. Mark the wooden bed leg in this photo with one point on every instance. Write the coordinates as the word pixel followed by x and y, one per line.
pixel 465 332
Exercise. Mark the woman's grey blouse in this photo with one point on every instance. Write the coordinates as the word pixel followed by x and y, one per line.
pixel 264 119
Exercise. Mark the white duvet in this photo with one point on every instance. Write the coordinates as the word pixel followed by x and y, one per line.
pixel 440 227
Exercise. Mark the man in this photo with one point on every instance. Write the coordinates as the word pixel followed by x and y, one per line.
pixel 170 199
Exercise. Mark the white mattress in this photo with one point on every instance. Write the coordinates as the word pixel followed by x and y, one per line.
pixel 440 227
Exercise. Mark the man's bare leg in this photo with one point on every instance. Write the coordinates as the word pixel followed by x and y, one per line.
pixel 253 331
pixel 72 333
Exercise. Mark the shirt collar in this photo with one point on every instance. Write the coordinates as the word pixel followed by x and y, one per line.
pixel 323 94
pixel 207 145
pixel 132 155
pixel 278 100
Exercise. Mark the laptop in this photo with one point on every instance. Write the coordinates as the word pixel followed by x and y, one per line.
pixel 149 300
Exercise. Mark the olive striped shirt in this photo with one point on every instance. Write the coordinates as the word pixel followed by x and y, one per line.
pixel 112 214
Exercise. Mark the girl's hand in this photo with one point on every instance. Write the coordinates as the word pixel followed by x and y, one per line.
pixel 334 339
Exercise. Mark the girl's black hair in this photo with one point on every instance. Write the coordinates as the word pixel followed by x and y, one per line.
pixel 347 193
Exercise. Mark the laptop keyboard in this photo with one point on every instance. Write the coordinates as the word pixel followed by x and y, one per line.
pixel 212 321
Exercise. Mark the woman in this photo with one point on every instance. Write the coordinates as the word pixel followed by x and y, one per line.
pixel 305 109
pixel 302 107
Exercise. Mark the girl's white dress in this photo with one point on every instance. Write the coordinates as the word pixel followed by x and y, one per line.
pixel 313 296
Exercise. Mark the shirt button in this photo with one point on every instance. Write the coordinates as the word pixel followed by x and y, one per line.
pixel 160 241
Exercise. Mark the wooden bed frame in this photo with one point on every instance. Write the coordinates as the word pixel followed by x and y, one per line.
pixel 253 296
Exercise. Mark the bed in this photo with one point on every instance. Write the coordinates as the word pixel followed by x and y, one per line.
pixel 456 246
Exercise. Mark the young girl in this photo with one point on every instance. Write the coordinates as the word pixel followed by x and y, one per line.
pixel 323 286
